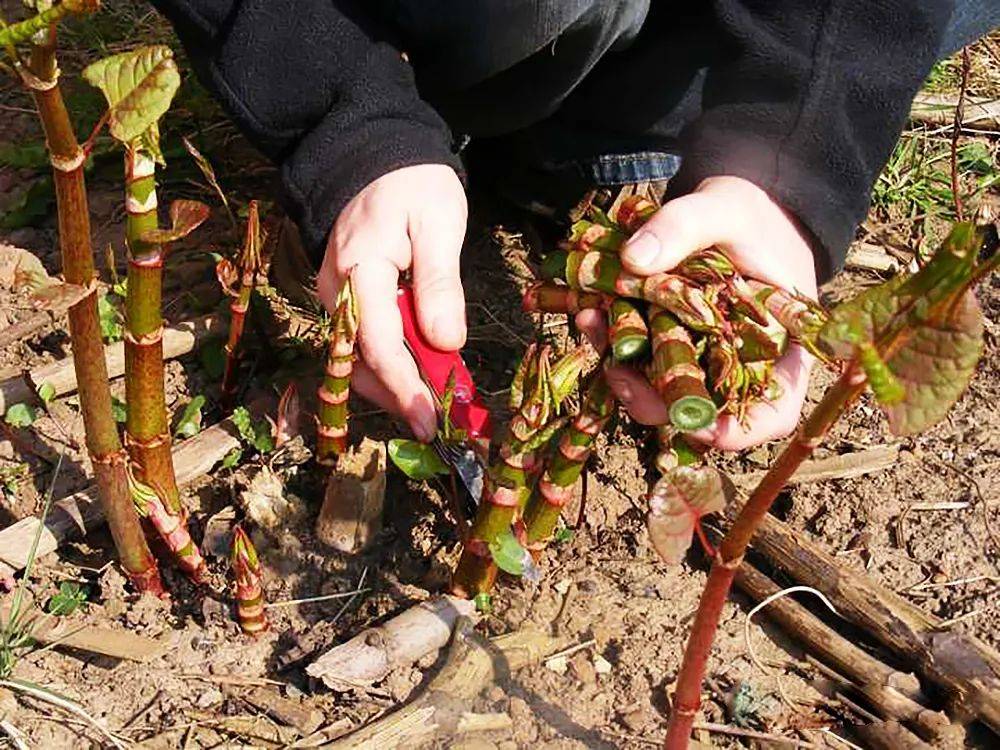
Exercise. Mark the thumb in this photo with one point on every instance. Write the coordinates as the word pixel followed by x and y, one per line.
pixel 682 226
pixel 437 284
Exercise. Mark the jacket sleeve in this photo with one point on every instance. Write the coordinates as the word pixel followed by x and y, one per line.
pixel 319 89
pixel 807 102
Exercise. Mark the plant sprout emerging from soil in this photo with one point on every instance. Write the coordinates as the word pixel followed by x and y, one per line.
pixel 331 431
pixel 246 270
pixel 248 583
pixel 39 74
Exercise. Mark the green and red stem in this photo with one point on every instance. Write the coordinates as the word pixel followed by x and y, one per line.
pixel 331 430
pixel 150 502
pixel 633 212
pixel 596 271
pixel 248 583
pixel 550 297
pixel 687 697
pixel 147 432
pixel 108 457
pixel 676 375
pixel 575 445
pixel 627 331
pixel 249 266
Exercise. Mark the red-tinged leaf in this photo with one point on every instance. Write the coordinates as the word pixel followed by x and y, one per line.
pixel 227 274
pixel 918 338
pixel 676 504
pixel 934 366
pixel 185 217
pixel 59 296
pixel 207 172
pixel 289 413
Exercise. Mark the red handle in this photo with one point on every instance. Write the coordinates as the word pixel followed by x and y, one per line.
pixel 468 411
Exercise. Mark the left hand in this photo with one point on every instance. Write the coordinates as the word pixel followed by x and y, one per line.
pixel 764 243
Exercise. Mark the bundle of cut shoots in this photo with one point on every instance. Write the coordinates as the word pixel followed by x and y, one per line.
pixel 706 338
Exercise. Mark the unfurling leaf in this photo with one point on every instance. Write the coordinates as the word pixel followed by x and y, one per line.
pixel 20 415
pixel 185 217
pixel 918 338
pixel 189 424
pixel 227 274
pixel 289 413
pixel 417 460
pixel 509 555
pixel 139 86
pixel 676 504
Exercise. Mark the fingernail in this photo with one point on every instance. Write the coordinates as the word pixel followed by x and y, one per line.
pixel 424 429
pixel 447 328
pixel 642 249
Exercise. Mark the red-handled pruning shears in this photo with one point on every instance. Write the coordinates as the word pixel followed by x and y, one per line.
pixel 468 412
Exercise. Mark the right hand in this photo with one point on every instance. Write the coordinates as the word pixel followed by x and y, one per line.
pixel 414 216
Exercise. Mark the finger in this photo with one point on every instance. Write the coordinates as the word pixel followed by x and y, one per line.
pixel 381 343
pixel 682 226
pixel 770 420
pixel 594 325
pixel 638 397
pixel 366 385
pixel 437 284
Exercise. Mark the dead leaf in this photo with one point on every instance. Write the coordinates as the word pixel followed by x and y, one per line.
pixel 289 413
pixel 185 217
pixel 267 504
pixel 20 268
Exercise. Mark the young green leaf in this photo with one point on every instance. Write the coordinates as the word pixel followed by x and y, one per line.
pixel 33 205
pixel 232 458
pixel 20 415
pixel 46 392
pixel 110 319
pixel 508 554
pixel 189 424
pixel 25 155
pixel 139 86
pixel 119 411
pixel 563 535
pixel 483 602
pixel 243 423
pixel 67 600
pixel 417 460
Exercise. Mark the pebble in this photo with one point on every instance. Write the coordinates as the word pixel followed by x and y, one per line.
pixel 562 586
pixel 201 642
pixel 602 665
pixel 209 698
pixel 557 664
pixel 588 586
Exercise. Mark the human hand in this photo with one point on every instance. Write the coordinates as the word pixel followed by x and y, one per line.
pixel 764 243
pixel 414 216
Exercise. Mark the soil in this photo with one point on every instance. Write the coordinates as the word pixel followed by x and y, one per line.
pixel 934 518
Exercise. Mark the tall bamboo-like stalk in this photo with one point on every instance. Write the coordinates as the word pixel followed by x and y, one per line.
pixel 147 432
pixel 331 430
pixel 139 86
pixel 248 268
pixel 927 328
pixel 576 443
pixel 41 77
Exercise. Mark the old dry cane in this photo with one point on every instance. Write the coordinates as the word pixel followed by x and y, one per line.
pixel 915 341
pixel 40 76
